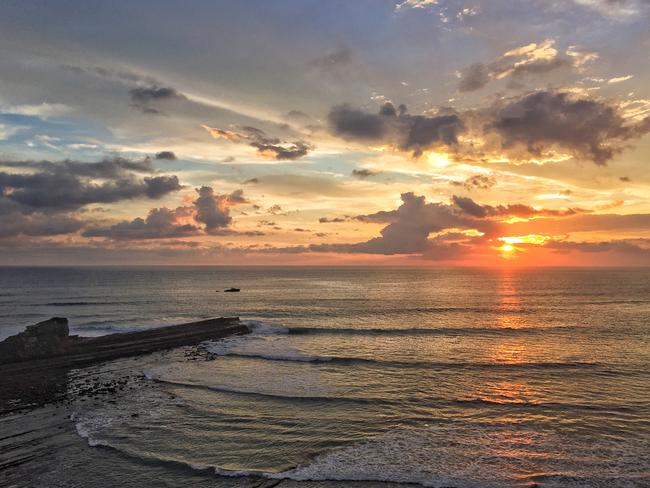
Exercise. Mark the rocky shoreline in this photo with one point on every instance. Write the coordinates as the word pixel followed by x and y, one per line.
pixel 34 364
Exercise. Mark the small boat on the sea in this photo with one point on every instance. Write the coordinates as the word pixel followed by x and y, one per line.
pixel 232 289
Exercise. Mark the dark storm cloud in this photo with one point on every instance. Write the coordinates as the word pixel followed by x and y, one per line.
pixel 396 127
pixel 145 98
pixel 270 147
pixel 70 185
pixel 167 155
pixel 480 182
pixel 587 128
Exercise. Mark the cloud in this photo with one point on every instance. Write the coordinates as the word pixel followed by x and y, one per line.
pixel 434 230
pixel 395 127
pixel 214 210
pixel 625 246
pixel 333 220
pixel 581 223
pixel 269 147
pixel 145 99
pixel 620 9
pixel 159 223
pixel 334 62
pixel 589 129
pixel 619 79
pixel 531 60
pixel 364 173
pixel 470 207
pixel 167 155
pixel 210 209
pixel 14 223
pixel 415 4
pixel 70 185
pixel 479 182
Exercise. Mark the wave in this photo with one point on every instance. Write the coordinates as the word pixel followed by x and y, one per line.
pixel 434 456
pixel 430 331
pixel 384 402
pixel 268 394
pixel 350 361
pixel 84 304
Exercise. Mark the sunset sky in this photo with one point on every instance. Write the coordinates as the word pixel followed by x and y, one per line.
pixel 426 132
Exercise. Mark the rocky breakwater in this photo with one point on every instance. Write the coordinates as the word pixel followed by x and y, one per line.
pixel 34 363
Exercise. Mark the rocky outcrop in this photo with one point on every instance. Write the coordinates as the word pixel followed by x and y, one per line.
pixel 48 338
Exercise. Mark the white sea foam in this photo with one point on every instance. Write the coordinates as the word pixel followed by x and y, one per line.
pixel 491 457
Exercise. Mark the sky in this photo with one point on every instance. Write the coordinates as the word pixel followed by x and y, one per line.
pixel 310 132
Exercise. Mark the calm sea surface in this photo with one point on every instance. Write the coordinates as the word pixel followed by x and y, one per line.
pixel 441 377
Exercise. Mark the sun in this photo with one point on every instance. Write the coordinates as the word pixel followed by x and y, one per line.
pixel 508 251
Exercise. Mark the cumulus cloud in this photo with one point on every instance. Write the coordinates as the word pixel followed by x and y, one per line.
pixel 269 147
pixel 435 230
pixel 70 185
pixel 159 223
pixel 526 61
pixel 214 210
pixel 589 129
pixel 209 213
pixel 395 127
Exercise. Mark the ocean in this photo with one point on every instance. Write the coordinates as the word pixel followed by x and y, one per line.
pixel 441 377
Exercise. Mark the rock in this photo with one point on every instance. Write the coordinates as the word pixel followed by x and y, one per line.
pixel 48 338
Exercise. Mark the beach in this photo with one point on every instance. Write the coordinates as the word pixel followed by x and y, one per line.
pixel 437 378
